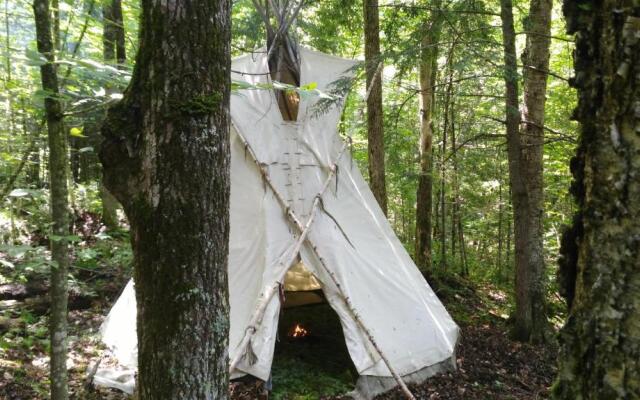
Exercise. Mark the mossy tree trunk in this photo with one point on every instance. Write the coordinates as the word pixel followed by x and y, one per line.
pixel 59 203
pixel 600 353
pixel 424 197
pixel 375 127
pixel 166 159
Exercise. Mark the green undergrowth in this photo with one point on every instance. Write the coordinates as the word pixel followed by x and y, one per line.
pixel 296 380
pixel 314 366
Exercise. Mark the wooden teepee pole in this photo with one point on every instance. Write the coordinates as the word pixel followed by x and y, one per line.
pixel 296 221
pixel 266 296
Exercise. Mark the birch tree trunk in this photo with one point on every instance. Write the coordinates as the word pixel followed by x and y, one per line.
pixel 600 343
pixel 530 314
pixel 424 196
pixel 59 203
pixel 166 159
pixel 375 127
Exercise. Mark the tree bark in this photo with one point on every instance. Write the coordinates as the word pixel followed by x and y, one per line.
pixel 508 232
pixel 113 37
pixel 463 249
pixel 501 272
pixel 166 159
pixel 8 78
pixel 455 194
pixel 55 9
pixel 424 196
pixel 113 52
pixel 443 192
pixel 59 206
pixel 600 343
pixel 530 315
pixel 519 165
pixel 446 110
pixel 375 127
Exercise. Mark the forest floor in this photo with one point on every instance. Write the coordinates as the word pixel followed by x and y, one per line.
pixel 490 364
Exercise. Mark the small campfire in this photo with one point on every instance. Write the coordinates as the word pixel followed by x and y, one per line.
pixel 298 331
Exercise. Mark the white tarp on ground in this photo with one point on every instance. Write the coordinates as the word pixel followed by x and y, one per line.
pixel 410 325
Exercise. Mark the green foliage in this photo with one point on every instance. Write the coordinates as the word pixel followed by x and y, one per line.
pixel 106 253
pixel 296 380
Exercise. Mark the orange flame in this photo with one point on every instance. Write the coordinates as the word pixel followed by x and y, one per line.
pixel 298 331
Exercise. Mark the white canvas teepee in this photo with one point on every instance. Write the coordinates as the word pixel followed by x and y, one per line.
pixel 297 199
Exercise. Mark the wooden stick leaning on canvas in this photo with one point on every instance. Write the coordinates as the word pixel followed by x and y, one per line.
pixel 291 258
pixel 303 237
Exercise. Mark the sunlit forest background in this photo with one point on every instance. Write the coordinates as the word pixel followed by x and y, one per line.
pixel 472 214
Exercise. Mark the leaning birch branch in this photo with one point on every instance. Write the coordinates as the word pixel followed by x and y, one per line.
pixel 258 314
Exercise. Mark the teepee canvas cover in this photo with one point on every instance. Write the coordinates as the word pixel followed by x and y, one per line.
pixel 297 199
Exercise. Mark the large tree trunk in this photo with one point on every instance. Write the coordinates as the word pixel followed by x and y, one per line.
pixel 530 315
pixel 166 159
pixel 375 126
pixel 59 206
pixel 600 352
pixel 424 197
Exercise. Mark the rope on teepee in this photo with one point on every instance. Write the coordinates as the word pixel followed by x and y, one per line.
pixel 249 354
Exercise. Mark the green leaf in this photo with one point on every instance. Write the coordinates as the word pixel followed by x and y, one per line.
pixel 69 238
pixel 239 85
pixel 15 251
pixel 76 132
pixel 309 86
pixel 35 58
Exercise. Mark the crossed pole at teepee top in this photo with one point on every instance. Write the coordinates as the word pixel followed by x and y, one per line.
pixel 269 292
